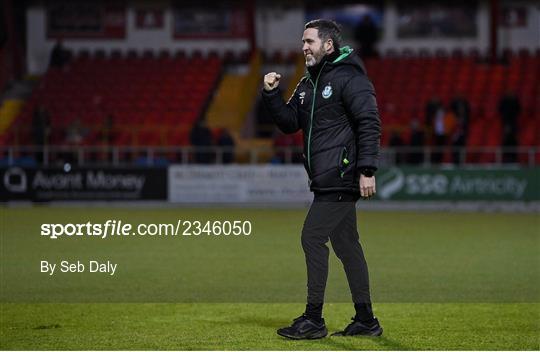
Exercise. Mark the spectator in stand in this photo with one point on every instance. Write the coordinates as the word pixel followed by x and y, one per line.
pixel 41 130
pixel 107 137
pixel 366 35
pixel 433 106
pixel 75 135
pixel 201 137
pixel 509 109
pixel 107 130
pixel 59 55
pixel 76 132
pixel 396 142
pixel 443 126
pixel 434 121
pixel 417 141
pixel 458 139
pixel 461 109
pixel 226 141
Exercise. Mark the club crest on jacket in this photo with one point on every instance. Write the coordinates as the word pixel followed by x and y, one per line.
pixel 327 92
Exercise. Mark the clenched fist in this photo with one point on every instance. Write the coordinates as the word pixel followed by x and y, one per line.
pixel 271 81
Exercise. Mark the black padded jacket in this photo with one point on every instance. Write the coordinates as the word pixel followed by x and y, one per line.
pixel 337 112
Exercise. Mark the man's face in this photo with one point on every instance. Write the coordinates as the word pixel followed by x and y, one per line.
pixel 313 48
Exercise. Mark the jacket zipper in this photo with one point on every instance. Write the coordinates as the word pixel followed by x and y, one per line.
pixel 311 115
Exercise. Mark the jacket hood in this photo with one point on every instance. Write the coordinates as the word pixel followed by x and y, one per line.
pixel 346 57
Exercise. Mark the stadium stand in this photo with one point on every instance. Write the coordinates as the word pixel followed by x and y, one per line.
pixel 154 99
pixel 151 101
pixel 405 84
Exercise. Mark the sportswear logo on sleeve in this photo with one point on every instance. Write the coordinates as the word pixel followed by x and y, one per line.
pixel 302 96
pixel 327 92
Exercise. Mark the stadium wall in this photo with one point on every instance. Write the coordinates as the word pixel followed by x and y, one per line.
pixel 522 36
pixel 39 46
pixel 278 27
pixel 391 41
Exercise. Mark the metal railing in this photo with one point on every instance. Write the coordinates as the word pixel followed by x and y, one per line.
pixel 156 155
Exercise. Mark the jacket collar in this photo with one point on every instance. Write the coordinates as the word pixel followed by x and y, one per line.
pixel 333 58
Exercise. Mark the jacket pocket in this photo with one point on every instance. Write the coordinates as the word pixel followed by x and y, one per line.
pixel 343 162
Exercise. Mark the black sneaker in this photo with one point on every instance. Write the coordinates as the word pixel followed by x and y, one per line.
pixel 359 328
pixel 304 328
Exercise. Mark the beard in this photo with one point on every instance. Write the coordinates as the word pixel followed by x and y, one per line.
pixel 314 57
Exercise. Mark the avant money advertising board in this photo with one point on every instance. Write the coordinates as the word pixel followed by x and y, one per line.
pixel 47 184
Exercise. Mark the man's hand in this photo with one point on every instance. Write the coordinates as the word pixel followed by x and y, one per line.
pixel 367 186
pixel 271 81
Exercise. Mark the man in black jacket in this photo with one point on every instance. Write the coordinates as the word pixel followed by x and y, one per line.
pixel 334 105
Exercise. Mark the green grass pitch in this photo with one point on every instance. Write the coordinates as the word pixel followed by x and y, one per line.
pixel 439 281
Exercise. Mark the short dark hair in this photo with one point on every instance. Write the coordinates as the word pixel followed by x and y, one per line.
pixel 327 30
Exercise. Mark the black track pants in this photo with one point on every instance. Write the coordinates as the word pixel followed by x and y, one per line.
pixel 333 216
